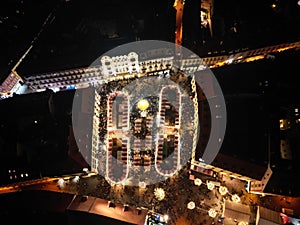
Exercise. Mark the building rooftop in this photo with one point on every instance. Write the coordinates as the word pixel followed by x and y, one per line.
pixel 104 208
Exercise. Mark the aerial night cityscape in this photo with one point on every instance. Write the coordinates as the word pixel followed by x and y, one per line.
pixel 162 112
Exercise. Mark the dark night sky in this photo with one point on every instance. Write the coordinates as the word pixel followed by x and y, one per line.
pixel 78 31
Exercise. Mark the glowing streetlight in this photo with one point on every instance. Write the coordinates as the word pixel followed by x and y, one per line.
pixel 223 190
pixel 212 213
pixel 210 186
pixel 235 198
pixel 191 205
pixel 197 181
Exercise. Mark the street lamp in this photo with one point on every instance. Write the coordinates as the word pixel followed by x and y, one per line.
pixel 223 190
pixel 191 205
pixel 197 181
pixel 212 213
pixel 242 223
pixel 210 186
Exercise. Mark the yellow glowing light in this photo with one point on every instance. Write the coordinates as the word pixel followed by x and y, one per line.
pixel 191 205
pixel 198 181
pixel 210 186
pixel 159 194
pixel 283 49
pixel 143 104
pixel 223 190
pixel 212 213
pixel 242 223
pixel 250 59
pixel 217 64
pixel 235 198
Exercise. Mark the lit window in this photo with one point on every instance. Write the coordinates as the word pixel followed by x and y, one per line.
pixel 284 124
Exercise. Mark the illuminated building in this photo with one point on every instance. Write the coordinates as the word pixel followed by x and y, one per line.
pixel 12 84
pixel 78 78
pixel 85 126
pixel 114 213
pixel 125 136
pixel 118 145
pixel 82 78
